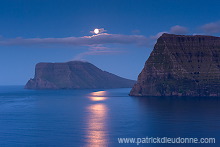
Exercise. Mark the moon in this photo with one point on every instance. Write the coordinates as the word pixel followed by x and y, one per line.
pixel 96 31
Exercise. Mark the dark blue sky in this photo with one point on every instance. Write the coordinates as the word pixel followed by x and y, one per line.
pixel 131 28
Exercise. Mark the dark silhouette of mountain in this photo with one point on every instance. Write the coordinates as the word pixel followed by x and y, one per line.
pixel 181 65
pixel 74 75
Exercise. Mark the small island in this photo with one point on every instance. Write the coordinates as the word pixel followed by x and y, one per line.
pixel 181 65
pixel 74 75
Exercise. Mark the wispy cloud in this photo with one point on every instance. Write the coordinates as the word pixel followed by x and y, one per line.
pixel 136 31
pixel 211 28
pixel 96 44
pixel 103 38
pixel 179 30
pixel 97 50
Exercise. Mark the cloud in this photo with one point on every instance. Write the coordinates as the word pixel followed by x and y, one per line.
pixel 82 55
pixel 96 43
pixel 136 31
pixel 211 28
pixel 103 38
pixel 97 50
pixel 177 29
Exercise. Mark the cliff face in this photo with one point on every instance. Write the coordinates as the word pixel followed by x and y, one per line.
pixel 181 65
pixel 74 75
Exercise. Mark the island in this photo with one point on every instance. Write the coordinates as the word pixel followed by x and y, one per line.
pixel 75 75
pixel 181 65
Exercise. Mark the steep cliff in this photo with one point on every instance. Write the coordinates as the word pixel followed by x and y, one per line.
pixel 74 75
pixel 181 65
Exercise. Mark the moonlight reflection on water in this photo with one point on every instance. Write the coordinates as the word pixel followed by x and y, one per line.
pixel 96 124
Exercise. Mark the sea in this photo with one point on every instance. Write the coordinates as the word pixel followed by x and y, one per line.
pixel 105 118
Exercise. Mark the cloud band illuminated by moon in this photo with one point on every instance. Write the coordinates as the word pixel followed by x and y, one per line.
pixel 103 38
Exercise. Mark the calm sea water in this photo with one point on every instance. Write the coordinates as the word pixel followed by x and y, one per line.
pixel 98 117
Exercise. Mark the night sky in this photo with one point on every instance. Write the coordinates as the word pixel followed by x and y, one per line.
pixel 33 31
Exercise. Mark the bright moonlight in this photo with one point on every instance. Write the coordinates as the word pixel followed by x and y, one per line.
pixel 96 31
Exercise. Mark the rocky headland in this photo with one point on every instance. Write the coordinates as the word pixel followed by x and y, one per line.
pixel 181 65
pixel 74 75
